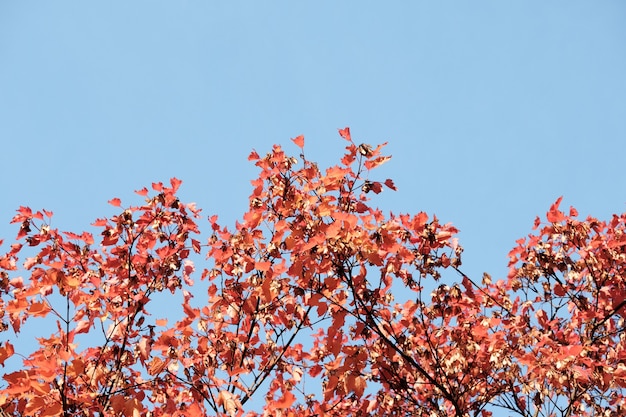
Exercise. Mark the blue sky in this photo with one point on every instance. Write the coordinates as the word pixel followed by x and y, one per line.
pixel 492 109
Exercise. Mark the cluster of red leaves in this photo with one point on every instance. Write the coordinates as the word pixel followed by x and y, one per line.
pixel 563 311
pixel 107 289
pixel 317 304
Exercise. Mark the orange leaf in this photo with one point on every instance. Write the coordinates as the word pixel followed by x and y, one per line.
pixel 82 326
pixel 6 352
pixel 52 410
pixel 190 312
pixel 35 405
pixel 266 287
pixel 132 407
pixel 356 384
pixel 72 282
pixel 115 202
pixel 263 266
pixel 285 401
pixel 194 410
pixel 77 367
pixel 228 401
pixel 253 219
pixel 39 309
pixel 117 403
pixel 17 305
pixel 156 365
pixel 299 141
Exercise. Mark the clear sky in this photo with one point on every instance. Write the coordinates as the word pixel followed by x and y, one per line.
pixel 492 109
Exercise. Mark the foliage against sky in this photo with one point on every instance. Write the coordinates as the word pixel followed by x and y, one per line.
pixel 317 302
pixel 492 109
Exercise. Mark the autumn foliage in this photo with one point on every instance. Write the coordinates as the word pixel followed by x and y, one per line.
pixel 314 304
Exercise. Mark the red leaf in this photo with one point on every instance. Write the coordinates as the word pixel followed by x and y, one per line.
pixel 253 156
pixel 195 244
pixel 559 290
pixel 376 187
pixel 373 163
pixel 299 141
pixel 360 207
pixel 175 183
pixel 419 221
pixel 115 202
pixel 143 192
pixel 100 223
pixel 574 350
pixel 389 183
pixel 87 238
pixel 555 215
pixel 345 133
pixel 72 236
pixel 25 213
pixel 253 219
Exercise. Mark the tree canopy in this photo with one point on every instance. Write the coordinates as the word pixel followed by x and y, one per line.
pixel 316 303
